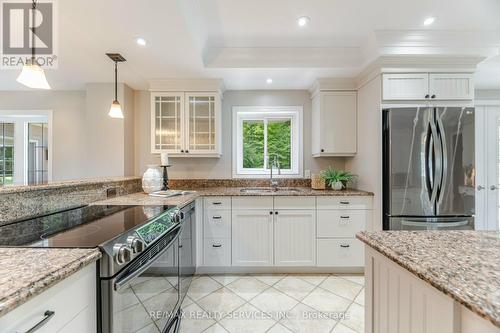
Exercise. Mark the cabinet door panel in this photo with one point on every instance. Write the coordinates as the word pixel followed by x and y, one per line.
pixel 340 252
pixel 411 86
pixel 338 123
pixel 451 86
pixel 342 223
pixel 167 122
pixel 295 238
pixel 201 122
pixel 252 238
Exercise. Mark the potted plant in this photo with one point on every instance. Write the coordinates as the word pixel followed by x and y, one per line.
pixel 337 179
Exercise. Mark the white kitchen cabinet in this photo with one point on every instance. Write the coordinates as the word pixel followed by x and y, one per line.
pixel 340 252
pixel 186 124
pixel 217 252
pixel 295 238
pixel 217 231
pixel 252 237
pixel 334 122
pixel 454 86
pixel 341 223
pixel 398 301
pixel 428 86
pixel 411 86
pixel 72 301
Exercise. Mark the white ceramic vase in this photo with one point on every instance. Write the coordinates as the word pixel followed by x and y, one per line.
pixel 152 179
pixel 337 186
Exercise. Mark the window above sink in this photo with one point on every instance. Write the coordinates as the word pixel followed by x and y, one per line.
pixel 262 135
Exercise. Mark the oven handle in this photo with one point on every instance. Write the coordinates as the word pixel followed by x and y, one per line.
pixel 126 280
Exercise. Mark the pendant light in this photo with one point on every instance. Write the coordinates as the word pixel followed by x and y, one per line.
pixel 116 110
pixel 32 75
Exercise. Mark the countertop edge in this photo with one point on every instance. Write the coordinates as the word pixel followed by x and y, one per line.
pixel 26 293
pixel 393 256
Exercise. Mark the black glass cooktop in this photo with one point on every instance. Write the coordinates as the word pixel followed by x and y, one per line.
pixel 87 226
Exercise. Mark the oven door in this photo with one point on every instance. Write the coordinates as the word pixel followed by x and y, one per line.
pixel 187 250
pixel 145 295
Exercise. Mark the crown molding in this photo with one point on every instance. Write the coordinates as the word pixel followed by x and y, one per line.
pixel 194 85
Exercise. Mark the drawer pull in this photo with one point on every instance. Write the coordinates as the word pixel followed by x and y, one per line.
pixel 46 317
pixel 345 245
pixel 344 217
pixel 216 203
pixel 344 202
pixel 217 217
pixel 216 245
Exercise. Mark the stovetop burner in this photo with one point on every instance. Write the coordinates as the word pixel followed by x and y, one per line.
pixel 88 226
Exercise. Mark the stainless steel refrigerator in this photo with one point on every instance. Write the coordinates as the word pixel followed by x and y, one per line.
pixel 428 168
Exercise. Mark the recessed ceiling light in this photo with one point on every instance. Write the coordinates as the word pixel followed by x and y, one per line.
pixel 303 21
pixel 269 80
pixel 141 41
pixel 429 20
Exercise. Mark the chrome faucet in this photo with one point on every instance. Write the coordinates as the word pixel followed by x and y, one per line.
pixel 275 164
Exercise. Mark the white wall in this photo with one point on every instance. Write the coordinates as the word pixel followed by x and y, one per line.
pixel 367 163
pixel 108 141
pixel 68 130
pixel 220 168
pixel 485 94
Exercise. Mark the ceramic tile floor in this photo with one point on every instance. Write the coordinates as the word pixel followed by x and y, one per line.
pixel 277 303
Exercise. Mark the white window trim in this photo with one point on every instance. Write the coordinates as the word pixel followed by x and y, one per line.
pixel 248 112
pixel 20 118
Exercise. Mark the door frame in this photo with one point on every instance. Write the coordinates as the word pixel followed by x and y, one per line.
pixel 21 118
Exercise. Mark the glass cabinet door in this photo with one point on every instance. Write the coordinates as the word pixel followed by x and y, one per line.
pixel 168 122
pixel 201 123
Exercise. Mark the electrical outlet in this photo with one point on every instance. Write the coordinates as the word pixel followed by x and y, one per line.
pixel 307 173
pixel 111 192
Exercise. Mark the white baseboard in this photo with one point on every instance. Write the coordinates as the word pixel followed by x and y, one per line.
pixel 274 270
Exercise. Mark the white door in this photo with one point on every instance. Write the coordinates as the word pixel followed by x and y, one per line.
pixel 295 238
pixel 167 121
pixel 493 167
pixel 252 237
pixel 487 215
pixel 202 123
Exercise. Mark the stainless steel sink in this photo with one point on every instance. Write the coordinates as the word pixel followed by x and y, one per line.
pixel 256 190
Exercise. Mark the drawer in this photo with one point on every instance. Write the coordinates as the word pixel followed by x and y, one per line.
pixel 217 224
pixel 217 203
pixel 341 223
pixel 67 298
pixel 340 252
pixel 217 252
pixel 346 202
pixel 251 202
pixel 294 202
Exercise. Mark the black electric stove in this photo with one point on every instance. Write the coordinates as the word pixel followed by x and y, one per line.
pixel 82 227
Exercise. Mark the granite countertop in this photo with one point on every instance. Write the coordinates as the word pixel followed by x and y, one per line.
pixel 26 272
pixel 462 264
pixel 147 200
pixel 17 188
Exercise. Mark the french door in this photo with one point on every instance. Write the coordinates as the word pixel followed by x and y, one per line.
pixel 488 168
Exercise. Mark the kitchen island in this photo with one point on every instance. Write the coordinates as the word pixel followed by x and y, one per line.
pixel 433 281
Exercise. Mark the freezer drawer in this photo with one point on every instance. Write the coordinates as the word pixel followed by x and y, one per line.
pixel 432 223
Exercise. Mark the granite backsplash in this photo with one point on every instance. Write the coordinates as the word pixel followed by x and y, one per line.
pixel 262 182
pixel 20 202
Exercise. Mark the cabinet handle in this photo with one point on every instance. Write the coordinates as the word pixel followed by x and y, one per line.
pixel 344 202
pixel 46 317
pixel 216 245
pixel 217 203
pixel 344 217
pixel 345 245
pixel 427 96
pixel 270 213
pixel 217 217
pixel 433 96
pixel 182 150
pixel 275 213
pixel 322 150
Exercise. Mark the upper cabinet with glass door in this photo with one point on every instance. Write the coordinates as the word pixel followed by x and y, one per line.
pixel 186 124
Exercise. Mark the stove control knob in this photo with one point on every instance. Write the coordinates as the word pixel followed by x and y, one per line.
pixel 181 214
pixel 122 253
pixel 177 217
pixel 136 244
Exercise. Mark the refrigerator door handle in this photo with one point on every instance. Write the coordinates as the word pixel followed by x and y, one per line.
pixel 428 174
pixel 444 158
pixel 416 223
pixel 438 167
